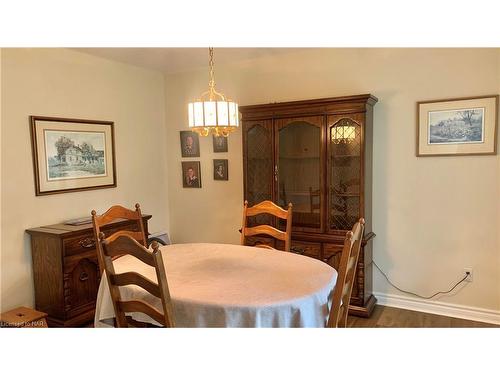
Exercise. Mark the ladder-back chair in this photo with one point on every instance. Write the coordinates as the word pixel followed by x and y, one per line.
pixel 267 207
pixel 314 199
pixel 119 244
pixel 346 273
pixel 114 213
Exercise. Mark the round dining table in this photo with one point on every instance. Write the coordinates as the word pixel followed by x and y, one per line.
pixel 223 285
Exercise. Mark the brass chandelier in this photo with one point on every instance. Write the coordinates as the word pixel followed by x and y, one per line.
pixel 213 112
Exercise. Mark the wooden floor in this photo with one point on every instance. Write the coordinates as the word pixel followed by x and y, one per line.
pixel 391 317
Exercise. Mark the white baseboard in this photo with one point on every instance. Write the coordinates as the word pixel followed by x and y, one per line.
pixel 439 308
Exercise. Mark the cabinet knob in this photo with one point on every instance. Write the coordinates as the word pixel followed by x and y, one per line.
pixel 84 276
pixel 87 243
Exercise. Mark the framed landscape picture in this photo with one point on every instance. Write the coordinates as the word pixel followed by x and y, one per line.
pixel 221 170
pixel 72 154
pixel 191 174
pixel 464 126
pixel 220 143
pixel 190 144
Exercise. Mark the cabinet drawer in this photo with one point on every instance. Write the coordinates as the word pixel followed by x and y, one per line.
pixel 310 249
pixel 332 254
pixel 80 244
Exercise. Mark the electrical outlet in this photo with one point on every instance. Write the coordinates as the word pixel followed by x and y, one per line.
pixel 469 276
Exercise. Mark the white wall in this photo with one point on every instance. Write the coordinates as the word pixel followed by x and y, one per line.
pixel 66 83
pixel 498 169
pixel 432 216
pixel 1 221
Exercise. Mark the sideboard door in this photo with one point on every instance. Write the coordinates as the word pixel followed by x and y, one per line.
pixel 81 282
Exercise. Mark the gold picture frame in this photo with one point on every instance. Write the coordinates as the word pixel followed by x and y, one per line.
pixel 460 126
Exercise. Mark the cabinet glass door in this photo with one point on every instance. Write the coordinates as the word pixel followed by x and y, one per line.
pixel 299 170
pixel 345 154
pixel 259 166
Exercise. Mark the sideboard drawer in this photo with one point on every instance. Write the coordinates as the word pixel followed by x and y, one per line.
pixel 78 245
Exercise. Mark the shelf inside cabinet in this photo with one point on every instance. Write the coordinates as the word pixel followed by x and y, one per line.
pixel 346 194
pixel 344 156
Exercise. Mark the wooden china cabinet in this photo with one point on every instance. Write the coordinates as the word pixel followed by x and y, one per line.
pixel 316 154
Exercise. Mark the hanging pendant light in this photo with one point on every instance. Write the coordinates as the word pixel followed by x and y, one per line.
pixel 213 112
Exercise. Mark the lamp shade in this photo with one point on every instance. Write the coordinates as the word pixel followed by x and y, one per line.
pixel 219 117
pixel 213 112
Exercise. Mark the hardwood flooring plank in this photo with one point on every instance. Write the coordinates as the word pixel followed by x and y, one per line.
pixel 391 317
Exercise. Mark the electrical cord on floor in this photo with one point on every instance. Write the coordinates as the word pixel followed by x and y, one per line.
pixel 415 294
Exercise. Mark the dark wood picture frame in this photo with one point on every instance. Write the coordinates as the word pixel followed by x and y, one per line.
pixel 188 182
pixel 219 143
pixel 221 169
pixel 418 151
pixel 189 149
pixel 108 156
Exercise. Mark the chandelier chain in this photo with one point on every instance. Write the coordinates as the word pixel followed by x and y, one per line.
pixel 205 116
pixel 211 82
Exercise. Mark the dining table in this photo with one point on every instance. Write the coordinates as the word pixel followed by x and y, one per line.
pixel 226 285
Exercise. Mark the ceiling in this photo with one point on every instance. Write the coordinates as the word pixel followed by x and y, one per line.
pixel 173 60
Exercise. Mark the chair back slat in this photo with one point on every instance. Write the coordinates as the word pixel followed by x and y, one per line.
pixel 265 229
pixel 142 307
pixel 264 246
pixel 114 213
pixel 267 207
pixel 133 278
pixel 124 244
pixel 346 274
pixel 138 236
pixel 114 247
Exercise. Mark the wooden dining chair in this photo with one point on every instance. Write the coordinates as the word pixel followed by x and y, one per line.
pixel 345 279
pixel 267 207
pixel 119 244
pixel 314 199
pixel 112 214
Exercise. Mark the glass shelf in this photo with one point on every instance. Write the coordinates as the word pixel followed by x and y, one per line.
pixel 345 156
pixel 346 194
pixel 299 157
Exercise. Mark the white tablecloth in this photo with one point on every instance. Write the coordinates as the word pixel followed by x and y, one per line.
pixel 218 285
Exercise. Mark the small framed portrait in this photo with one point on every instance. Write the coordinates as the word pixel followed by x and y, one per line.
pixel 190 144
pixel 220 143
pixel 463 126
pixel 72 154
pixel 191 174
pixel 221 170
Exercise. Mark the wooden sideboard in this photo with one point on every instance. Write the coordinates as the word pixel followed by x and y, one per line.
pixel 66 271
